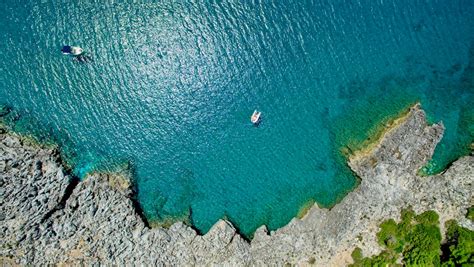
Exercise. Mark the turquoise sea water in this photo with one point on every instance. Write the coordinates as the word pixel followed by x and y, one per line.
pixel 172 87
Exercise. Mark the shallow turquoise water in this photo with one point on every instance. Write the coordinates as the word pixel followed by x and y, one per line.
pixel 173 85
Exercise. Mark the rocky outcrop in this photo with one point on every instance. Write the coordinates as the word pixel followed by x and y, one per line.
pixel 46 219
pixel 33 184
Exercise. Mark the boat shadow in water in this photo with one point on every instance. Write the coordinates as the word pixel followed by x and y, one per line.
pixel 82 59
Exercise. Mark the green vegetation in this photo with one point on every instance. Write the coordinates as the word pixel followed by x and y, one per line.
pixel 383 259
pixel 459 248
pixel 470 213
pixel 416 241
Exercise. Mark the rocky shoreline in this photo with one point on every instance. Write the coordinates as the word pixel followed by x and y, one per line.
pixel 49 218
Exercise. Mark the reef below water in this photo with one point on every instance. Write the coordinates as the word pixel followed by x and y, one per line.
pixel 172 87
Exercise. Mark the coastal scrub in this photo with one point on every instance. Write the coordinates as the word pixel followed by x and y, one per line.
pixel 416 241
pixel 459 247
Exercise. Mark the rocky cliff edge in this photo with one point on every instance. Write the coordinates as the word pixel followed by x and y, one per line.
pixel 49 218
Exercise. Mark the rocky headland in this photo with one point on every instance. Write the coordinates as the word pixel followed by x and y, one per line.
pixel 48 217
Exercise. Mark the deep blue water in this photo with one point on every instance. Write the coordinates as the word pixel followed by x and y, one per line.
pixel 172 87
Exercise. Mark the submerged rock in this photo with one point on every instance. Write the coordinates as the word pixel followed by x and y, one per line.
pixel 46 219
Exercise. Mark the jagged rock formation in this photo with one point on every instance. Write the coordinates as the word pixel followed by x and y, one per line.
pixel 96 221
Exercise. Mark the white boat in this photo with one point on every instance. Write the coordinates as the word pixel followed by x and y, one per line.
pixel 255 118
pixel 72 50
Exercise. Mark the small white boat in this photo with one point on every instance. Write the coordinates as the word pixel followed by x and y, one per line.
pixel 72 50
pixel 255 118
